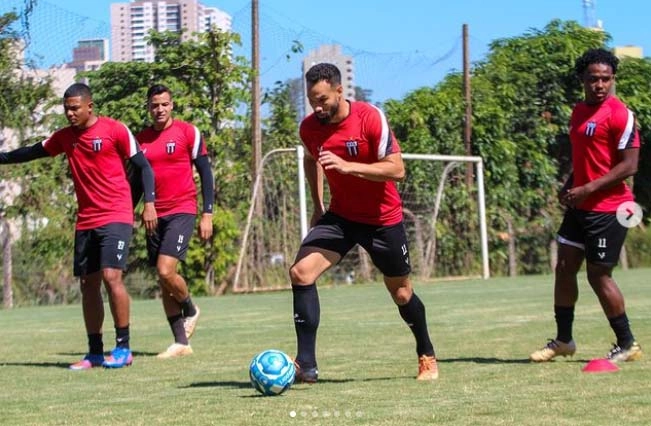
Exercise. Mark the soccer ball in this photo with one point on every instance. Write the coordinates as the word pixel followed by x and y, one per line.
pixel 271 372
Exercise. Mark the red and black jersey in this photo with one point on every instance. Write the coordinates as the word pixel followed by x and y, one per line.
pixel 363 137
pixel 96 156
pixel 171 153
pixel 598 133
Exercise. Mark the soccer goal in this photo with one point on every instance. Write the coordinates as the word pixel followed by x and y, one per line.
pixel 444 213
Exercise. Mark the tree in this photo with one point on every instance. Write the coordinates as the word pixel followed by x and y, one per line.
pixel 634 88
pixel 523 93
pixel 281 127
pixel 45 206
pixel 362 94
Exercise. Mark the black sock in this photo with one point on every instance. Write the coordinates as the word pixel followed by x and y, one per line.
pixel 564 318
pixel 187 307
pixel 622 330
pixel 95 344
pixel 413 313
pixel 178 330
pixel 307 312
pixel 122 337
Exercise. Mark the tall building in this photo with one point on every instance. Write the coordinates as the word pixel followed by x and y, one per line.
pixel 89 55
pixel 131 22
pixel 333 55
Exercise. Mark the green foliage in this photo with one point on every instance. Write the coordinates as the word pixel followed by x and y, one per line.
pixel 208 264
pixel 638 247
pixel 281 128
pixel 634 88
pixel 45 208
pixel 522 95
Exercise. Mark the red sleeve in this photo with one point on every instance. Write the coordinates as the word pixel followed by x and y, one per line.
pixel 197 146
pixel 125 140
pixel 304 134
pixel 376 127
pixel 54 144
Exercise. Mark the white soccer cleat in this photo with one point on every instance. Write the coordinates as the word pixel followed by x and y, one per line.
pixel 190 323
pixel 552 349
pixel 175 350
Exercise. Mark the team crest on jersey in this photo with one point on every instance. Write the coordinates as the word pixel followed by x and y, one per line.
pixel 590 128
pixel 97 144
pixel 352 147
pixel 170 147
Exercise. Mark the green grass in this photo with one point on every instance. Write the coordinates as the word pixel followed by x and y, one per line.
pixel 483 332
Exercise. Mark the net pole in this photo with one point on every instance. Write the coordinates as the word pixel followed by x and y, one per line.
pixel 481 199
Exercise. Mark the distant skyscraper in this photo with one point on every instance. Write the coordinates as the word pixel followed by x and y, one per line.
pixel 89 55
pixel 331 54
pixel 131 22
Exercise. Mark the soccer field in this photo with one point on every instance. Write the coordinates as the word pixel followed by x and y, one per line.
pixel 483 332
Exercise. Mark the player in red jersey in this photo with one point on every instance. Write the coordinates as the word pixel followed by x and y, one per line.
pixel 352 144
pixel 172 146
pixel 605 151
pixel 96 148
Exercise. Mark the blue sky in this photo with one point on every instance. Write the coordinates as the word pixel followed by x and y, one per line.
pixel 397 45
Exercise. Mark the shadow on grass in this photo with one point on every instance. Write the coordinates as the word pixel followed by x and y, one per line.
pixel 106 353
pixel 297 386
pixel 65 365
pixel 489 360
pixel 247 384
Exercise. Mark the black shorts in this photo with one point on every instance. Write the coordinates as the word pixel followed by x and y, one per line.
pixel 387 245
pixel 598 234
pixel 100 248
pixel 172 237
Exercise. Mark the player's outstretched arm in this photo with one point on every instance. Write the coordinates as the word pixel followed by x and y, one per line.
pixel 24 154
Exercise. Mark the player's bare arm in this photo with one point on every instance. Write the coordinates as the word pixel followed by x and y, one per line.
pixel 390 168
pixel 626 167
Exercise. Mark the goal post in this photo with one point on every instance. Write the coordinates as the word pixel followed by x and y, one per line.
pixel 277 219
pixel 478 163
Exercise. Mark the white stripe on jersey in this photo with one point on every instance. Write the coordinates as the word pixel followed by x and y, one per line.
pixel 384 138
pixel 196 143
pixel 133 145
pixel 628 130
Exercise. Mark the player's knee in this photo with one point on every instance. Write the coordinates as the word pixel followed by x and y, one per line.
pixel 401 295
pixel 165 273
pixel 300 274
pixel 566 267
pixel 598 274
pixel 112 276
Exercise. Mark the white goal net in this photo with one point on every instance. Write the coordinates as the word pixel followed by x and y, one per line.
pixel 444 214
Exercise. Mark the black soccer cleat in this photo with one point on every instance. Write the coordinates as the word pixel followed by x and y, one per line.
pixel 307 375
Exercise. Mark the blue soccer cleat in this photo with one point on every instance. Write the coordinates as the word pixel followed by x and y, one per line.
pixel 120 357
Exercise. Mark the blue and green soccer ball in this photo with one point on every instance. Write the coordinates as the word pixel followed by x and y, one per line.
pixel 271 372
